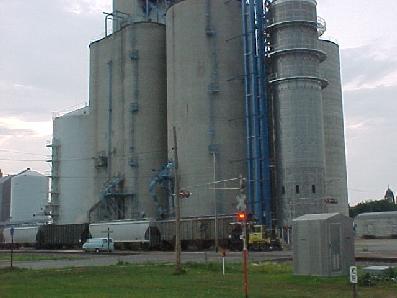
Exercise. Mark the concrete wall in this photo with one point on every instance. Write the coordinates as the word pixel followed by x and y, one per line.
pixel 128 104
pixel 298 111
pixel 205 99
pixel 73 137
pixel 334 136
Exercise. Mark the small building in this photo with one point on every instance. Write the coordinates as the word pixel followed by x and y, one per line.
pixel 376 225
pixel 323 244
pixel 389 196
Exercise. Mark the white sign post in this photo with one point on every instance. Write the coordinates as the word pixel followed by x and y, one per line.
pixel 354 279
pixel 12 232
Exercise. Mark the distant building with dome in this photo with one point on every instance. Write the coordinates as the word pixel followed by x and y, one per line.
pixel 389 195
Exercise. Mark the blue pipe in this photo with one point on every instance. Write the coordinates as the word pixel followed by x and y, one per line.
pixel 110 116
pixel 256 201
pixel 264 115
pixel 247 95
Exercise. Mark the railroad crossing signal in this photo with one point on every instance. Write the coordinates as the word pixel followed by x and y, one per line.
pixel 241 202
pixel 242 216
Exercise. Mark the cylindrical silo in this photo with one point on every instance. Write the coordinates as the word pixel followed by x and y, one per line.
pixel 73 167
pixel 205 100
pixel 29 196
pixel 297 95
pixel 5 193
pixel 128 106
pixel 335 172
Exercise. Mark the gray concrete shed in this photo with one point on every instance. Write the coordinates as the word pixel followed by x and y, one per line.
pixel 323 244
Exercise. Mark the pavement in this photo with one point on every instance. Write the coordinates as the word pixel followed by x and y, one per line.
pixel 85 259
pixel 368 252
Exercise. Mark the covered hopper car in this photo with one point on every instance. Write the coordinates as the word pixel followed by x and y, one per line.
pixel 23 236
pixel 196 233
pixel 128 234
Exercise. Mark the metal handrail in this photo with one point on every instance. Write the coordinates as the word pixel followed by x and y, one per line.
pixel 321 26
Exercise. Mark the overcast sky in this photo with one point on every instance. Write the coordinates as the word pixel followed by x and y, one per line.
pixel 44 61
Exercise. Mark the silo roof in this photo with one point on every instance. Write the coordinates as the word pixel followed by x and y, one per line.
pixel 377 214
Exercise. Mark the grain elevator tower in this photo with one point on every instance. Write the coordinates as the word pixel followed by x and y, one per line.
pixel 128 103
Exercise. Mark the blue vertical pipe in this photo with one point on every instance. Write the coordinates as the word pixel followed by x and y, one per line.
pixel 247 96
pixel 264 115
pixel 110 116
pixel 256 201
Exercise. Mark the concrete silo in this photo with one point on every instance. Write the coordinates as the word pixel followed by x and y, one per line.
pixel 29 196
pixel 72 167
pixel 5 198
pixel 335 173
pixel 128 106
pixel 205 100
pixel 297 95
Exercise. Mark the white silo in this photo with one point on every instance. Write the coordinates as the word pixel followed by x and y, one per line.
pixel 29 196
pixel 72 166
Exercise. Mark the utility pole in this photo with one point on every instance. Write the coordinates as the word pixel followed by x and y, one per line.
pixel 216 205
pixel 12 246
pixel 108 240
pixel 243 216
pixel 178 267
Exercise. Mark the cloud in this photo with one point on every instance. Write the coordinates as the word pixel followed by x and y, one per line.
pixel 8 125
pixel 371 139
pixel 6 131
pixel 47 71
pixel 369 67
pixel 87 7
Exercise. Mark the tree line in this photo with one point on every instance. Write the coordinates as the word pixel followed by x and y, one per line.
pixel 372 206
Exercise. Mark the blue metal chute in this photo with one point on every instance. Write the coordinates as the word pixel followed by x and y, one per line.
pixel 256 105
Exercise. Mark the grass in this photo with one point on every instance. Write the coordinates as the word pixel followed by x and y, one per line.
pixel 34 257
pixel 199 280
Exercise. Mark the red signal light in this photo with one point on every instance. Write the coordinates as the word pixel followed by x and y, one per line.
pixel 241 216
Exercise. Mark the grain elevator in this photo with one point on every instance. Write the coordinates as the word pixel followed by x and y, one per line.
pixel 251 89
pixel 129 110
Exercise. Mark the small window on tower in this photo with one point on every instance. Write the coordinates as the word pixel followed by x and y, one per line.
pixel 297 190
pixel 313 188
pixel 283 190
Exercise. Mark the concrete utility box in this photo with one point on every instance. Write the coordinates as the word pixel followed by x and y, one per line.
pixel 323 244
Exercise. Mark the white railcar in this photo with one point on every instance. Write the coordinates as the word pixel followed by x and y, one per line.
pixel 125 233
pixel 23 236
